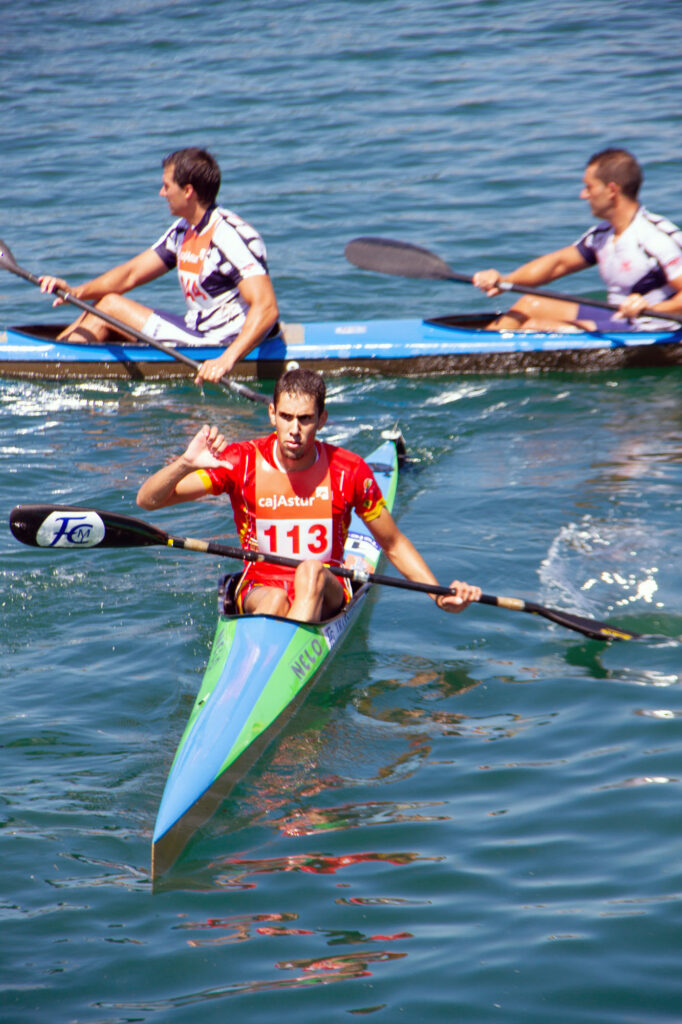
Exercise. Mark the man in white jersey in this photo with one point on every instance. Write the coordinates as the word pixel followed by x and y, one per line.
pixel 639 256
pixel 221 264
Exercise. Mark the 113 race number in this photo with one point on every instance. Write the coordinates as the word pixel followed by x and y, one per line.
pixel 296 538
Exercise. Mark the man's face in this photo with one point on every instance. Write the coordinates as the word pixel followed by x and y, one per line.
pixel 599 195
pixel 175 196
pixel 296 422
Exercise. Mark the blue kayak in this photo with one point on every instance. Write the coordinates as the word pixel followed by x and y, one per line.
pixel 451 344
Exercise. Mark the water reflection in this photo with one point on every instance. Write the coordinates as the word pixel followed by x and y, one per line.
pixel 242 928
pixel 640 780
pixel 346 965
pixel 323 971
pixel 239 873
pixel 310 820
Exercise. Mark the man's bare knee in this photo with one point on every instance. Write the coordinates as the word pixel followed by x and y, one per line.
pixel 310 575
pixel 267 601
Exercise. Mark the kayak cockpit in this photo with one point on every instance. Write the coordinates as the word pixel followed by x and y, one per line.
pixel 227 604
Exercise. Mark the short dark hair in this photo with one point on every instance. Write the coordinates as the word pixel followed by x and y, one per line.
pixel 195 167
pixel 619 166
pixel 301 382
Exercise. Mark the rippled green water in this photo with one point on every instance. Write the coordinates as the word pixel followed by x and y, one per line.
pixel 471 818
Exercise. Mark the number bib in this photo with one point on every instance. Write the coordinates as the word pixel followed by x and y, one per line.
pixel 294 513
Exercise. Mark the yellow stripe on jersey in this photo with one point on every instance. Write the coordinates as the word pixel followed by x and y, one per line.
pixel 205 479
pixel 368 515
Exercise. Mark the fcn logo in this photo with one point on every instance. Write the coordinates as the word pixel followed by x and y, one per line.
pixel 71 530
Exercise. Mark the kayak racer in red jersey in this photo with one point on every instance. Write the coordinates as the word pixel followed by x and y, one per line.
pixel 293 495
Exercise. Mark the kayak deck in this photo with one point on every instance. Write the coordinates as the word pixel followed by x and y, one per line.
pixel 239 694
pixel 450 344
pixel 260 669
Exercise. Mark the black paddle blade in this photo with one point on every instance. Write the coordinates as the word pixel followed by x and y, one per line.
pixel 6 257
pixel 72 526
pixel 8 262
pixel 402 259
pixel 387 256
pixel 589 627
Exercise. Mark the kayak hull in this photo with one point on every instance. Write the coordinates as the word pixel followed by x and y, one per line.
pixel 260 670
pixel 409 347
pixel 205 769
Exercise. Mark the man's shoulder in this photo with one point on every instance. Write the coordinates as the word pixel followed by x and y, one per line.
pixel 344 459
pixel 223 213
pixel 597 233
pixel 654 222
pixel 229 225
pixel 237 452
pixel 335 451
pixel 232 219
pixel 172 234
pixel 264 445
pixel 253 445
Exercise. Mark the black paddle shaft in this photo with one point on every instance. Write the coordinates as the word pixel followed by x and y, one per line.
pixel 60 526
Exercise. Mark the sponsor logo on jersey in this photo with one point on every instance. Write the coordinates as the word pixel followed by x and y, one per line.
pixel 275 501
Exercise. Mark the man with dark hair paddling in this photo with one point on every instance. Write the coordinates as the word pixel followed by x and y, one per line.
pixel 221 265
pixel 639 256
pixel 293 495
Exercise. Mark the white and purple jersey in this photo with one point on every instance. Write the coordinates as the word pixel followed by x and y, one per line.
pixel 643 259
pixel 212 259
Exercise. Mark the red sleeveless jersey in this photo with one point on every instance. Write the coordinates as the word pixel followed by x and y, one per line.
pixel 301 515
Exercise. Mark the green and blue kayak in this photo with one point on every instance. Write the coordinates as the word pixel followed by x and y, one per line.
pixel 259 671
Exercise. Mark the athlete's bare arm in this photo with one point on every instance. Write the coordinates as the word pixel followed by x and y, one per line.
pixel 258 292
pixel 179 481
pixel 141 269
pixel 404 556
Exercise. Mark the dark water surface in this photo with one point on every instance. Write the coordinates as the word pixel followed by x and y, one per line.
pixel 471 819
